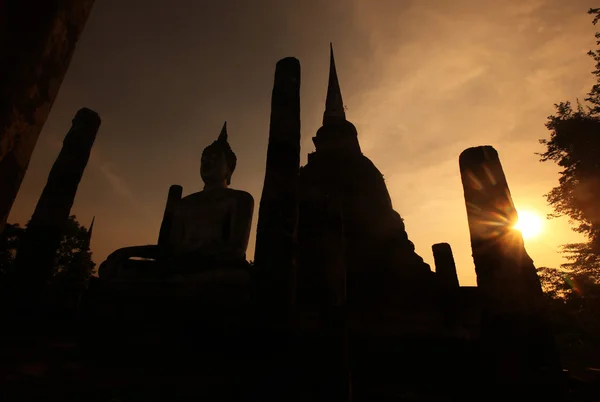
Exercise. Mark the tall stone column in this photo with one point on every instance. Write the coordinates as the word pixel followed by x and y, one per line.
pixel 35 256
pixel 445 268
pixel 445 272
pixel 174 196
pixel 517 346
pixel 505 272
pixel 37 41
pixel 278 211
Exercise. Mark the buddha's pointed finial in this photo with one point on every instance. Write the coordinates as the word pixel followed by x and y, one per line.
pixel 90 231
pixel 334 105
pixel 222 145
pixel 223 135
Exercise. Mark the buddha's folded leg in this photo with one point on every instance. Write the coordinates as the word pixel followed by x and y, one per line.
pixel 140 268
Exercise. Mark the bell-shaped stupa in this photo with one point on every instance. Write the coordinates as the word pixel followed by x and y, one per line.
pixel 346 219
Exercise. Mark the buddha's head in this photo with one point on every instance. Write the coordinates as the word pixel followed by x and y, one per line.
pixel 218 161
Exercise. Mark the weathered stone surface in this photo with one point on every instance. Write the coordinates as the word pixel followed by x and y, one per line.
pixel 37 41
pixel 445 268
pixel 448 286
pixel 278 214
pixel 505 272
pixel 35 257
pixel 517 347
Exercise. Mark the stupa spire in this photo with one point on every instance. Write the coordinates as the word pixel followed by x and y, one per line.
pixel 334 105
pixel 90 230
pixel 223 135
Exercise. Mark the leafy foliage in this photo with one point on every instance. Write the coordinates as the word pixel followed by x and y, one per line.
pixel 582 260
pixel 555 282
pixel 73 261
pixel 574 145
pixel 594 95
pixel 9 243
pixel 74 258
pixel 573 290
pixel 573 305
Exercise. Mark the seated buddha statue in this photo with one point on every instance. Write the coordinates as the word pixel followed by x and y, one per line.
pixel 210 229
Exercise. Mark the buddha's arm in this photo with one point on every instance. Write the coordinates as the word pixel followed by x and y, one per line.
pixel 147 251
pixel 176 234
pixel 240 226
pixel 113 263
pixel 151 251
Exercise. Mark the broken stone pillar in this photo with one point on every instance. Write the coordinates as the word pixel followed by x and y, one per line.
pixel 506 275
pixel 445 268
pixel 517 346
pixel 278 213
pixel 35 256
pixel 175 193
pixel 445 272
pixel 37 41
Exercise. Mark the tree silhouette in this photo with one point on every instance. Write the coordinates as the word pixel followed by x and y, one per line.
pixel 73 264
pixel 574 145
pixel 74 258
pixel 555 282
pixel 573 305
pixel 9 243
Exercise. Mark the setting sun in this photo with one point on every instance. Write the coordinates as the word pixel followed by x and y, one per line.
pixel 529 224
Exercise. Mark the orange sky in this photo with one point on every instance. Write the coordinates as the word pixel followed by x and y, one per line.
pixel 422 81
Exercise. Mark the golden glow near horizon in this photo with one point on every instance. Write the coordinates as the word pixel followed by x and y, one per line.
pixel 530 224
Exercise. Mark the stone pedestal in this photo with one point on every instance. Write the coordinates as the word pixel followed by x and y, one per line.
pixel 217 297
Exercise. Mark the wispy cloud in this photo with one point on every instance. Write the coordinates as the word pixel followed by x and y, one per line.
pixel 117 183
pixel 109 171
pixel 422 79
pixel 452 75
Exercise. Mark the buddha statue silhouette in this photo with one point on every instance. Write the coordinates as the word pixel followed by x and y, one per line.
pixel 210 228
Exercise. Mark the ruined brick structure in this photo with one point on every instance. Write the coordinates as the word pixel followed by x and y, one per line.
pixel 340 186
pixel 337 307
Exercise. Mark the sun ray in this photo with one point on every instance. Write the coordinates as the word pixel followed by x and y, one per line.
pixel 529 224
